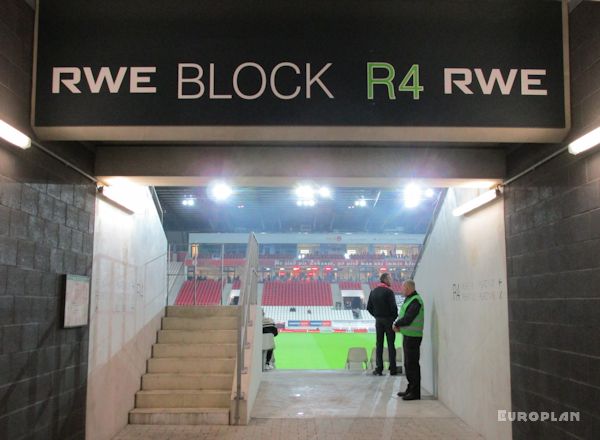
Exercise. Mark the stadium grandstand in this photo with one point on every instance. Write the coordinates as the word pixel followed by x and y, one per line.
pixel 316 265
pixel 321 293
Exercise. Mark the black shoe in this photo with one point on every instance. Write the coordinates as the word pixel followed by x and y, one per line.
pixel 393 373
pixel 377 373
pixel 410 396
pixel 402 393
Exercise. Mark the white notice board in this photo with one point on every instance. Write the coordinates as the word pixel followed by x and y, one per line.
pixel 77 299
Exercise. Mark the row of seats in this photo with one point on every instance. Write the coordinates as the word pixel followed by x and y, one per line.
pixel 205 293
pixel 396 285
pixel 350 285
pixel 275 293
pixel 314 293
pixel 317 313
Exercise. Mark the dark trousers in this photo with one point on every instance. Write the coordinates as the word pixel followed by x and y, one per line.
pixel 384 326
pixel 269 356
pixel 412 351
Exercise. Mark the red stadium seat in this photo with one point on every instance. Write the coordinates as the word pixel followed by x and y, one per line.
pixel 350 285
pixel 297 293
pixel 207 293
pixel 396 285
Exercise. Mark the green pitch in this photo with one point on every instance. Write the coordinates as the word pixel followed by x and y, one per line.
pixel 320 351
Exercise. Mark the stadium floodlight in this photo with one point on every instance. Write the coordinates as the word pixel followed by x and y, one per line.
pixel 219 191
pixel 361 203
pixel 429 193
pixel 14 136
pixel 304 192
pixel 325 192
pixel 306 195
pixel 188 202
pixel 475 203
pixel 585 142
pixel 412 195
pixel 306 203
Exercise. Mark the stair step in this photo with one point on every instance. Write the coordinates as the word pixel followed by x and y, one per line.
pixel 187 381
pixel 191 365
pixel 183 399
pixel 194 350
pixel 179 416
pixel 207 323
pixel 197 336
pixel 202 311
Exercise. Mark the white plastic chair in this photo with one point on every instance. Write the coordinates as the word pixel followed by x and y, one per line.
pixel 386 356
pixel 357 355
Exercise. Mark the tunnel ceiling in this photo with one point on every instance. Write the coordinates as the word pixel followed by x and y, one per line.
pixel 275 210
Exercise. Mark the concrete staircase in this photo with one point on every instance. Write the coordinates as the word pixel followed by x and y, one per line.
pixel 190 374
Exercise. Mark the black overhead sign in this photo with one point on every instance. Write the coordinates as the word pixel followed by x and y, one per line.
pixel 301 71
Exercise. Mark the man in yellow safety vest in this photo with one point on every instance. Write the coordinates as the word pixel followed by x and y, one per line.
pixel 410 322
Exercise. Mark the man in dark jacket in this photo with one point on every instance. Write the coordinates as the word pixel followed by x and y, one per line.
pixel 382 305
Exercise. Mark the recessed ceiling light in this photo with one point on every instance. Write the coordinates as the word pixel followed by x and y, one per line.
pixel 325 192
pixel 219 191
pixel 304 192
pixel 412 195
pixel 188 201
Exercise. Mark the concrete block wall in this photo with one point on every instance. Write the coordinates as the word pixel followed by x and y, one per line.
pixel 16 52
pixel 553 249
pixel 46 230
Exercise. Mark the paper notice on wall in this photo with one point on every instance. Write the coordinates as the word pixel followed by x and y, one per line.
pixel 77 297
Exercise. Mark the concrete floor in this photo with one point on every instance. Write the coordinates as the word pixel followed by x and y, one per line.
pixel 326 405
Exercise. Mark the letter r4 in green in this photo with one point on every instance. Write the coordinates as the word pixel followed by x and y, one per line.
pixel 415 87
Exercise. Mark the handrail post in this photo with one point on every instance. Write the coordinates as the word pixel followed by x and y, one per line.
pixel 246 298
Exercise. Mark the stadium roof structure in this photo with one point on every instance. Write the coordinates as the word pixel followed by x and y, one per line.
pixel 276 210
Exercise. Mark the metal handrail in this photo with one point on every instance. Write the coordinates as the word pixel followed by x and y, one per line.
pixel 170 287
pixel 248 297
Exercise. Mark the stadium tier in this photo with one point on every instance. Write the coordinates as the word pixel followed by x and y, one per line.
pixel 396 285
pixel 307 313
pixel 207 293
pixel 350 285
pixel 297 293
